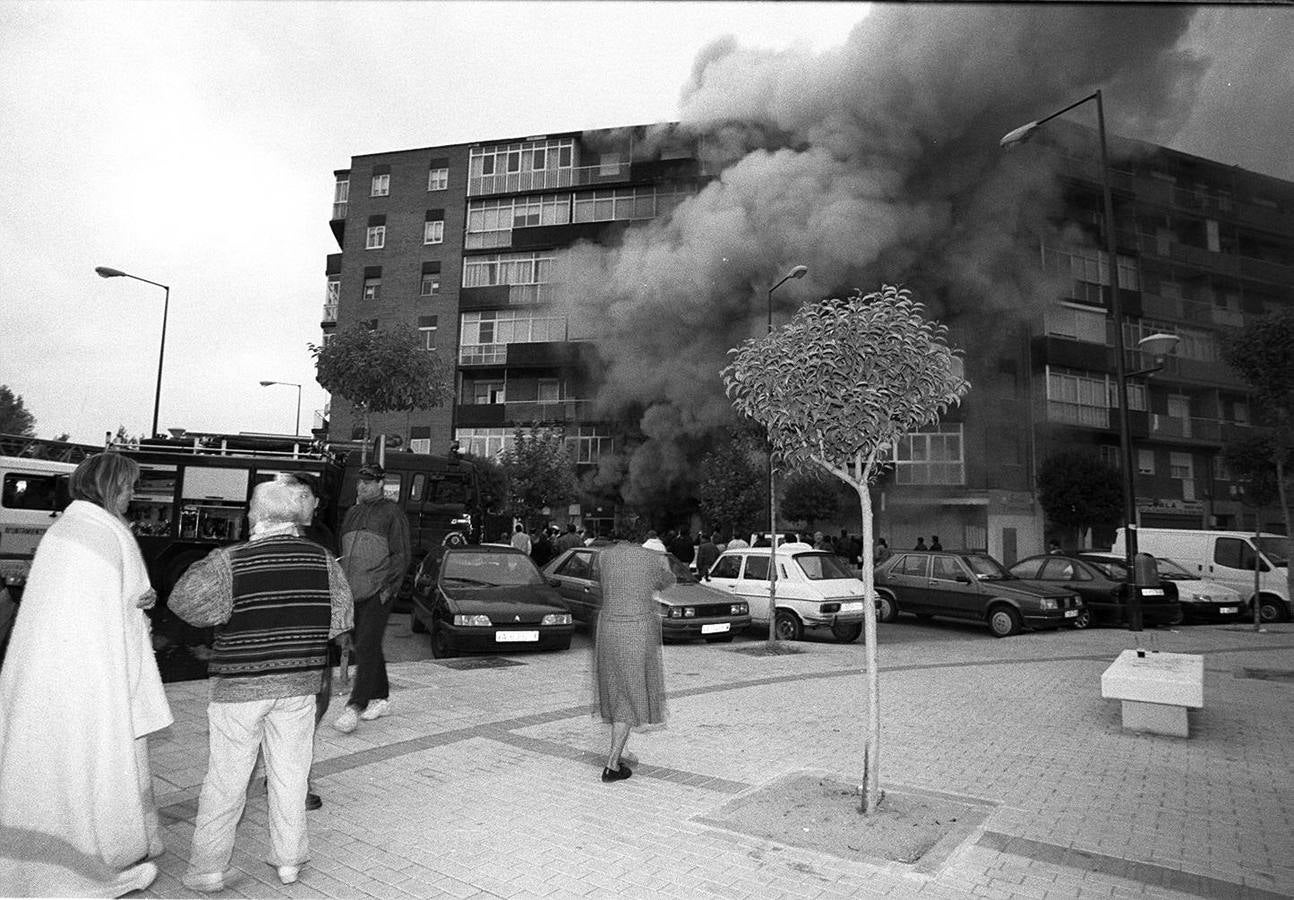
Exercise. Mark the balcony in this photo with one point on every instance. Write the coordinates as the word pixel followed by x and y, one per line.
pixel 518 413
pixel 546 179
pixel 482 354
pixel 1192 430
pixel 339 210
pixel 329 313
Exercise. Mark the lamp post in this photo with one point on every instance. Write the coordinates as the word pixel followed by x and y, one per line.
pixel 1018 136
pixel 296 422
pixel 797 272
pixel 105 272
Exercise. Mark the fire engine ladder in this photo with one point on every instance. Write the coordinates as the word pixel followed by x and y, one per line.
pixel 42 448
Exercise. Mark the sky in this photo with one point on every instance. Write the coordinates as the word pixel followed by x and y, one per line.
pixel 194 145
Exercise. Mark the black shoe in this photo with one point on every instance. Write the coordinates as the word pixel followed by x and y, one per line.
pixel 313 801
pixel 619 773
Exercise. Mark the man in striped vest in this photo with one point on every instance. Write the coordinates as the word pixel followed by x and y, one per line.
pixel 276 601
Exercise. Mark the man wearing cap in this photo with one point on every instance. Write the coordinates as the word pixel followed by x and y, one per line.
pixel 375 556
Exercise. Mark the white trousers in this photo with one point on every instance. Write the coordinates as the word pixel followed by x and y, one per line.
pixel 284 730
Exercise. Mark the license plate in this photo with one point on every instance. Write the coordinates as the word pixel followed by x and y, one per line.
pixel 852 606
pixel 1071 614
pixel 1152 592
pixel 715 628
pixel 1229 609
pixel 514 637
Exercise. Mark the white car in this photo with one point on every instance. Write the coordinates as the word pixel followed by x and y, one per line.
pixel 1202 600
pixel 815 589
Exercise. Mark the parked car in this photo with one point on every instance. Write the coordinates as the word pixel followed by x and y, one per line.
pixel 1101 580
pixel 688 608
pixel 972 587
pixel 487 597
pixel 815 590
pixel 1202 601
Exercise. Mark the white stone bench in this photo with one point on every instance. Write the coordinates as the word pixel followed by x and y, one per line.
pixel 1156 689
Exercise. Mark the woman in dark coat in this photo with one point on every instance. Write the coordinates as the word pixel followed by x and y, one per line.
pixel 629 673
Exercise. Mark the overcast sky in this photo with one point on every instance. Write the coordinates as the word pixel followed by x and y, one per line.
pixel 194 144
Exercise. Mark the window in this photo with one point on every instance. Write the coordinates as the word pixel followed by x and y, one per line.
pixel 1234 553
pixel 756 569
pixel 341 192
pixel 430 285
pixel 1181 465
pixel 39 492
pixel 381 186
pixel 483 392
pixel 490 222
pixel 1085 264
pixel 945 568
pixel 525 166
pixel 549 390
pixel 484 335
pixel 930 457
pixel 486 442
pixel 587 445
pixel 727 567
pixel 1220 470
pixel 1078 323
pixel 531 276
pixel 373 288
pixel 376 237
pixel 1081 399
pixel 427 332
pixel 433 232
pixel 1146 462
pixel 625 204
pixel 1112 456
pixel 914 564
pixel 332 298
pixel 438 179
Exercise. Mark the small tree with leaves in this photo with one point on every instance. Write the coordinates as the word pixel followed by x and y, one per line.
pixel 835 388
pixel 14 417
pixel 1078 491
pixel 1263 354
pixel 731 484
pixel 382 370
pixel 540 472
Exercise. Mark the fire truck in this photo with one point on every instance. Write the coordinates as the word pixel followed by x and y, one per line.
pixel 194 489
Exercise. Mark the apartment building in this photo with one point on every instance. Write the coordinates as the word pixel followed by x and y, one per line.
pixel 465 243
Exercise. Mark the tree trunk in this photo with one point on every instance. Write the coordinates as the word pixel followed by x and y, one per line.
pixel 872 741
pixel 772 552
pixel 1285 510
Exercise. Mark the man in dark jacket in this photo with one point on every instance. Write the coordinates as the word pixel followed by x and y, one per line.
pixel 375 557
pixel 706 554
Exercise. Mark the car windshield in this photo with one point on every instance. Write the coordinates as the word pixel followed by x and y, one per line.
pixel 1276 549
pixel 822 566
pixel 490 569
pixel 986 568
pixel 1172 570
pixel 681 572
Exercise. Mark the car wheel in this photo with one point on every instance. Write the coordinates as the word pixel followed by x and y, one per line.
pixel 441 648
pixel 416 625
pixel 1084 620
pixel 719 638
pixel 1003 621
pixel 1270 609
pixel 787 627
pixel 886 609
pixel 846 632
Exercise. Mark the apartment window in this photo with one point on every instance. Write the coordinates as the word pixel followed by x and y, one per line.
pixel 430 285
pixel 1146 462
pixel 1211 236
pixel 373 288
pixel 525 166
pixel 1220 470
pixel 438 178
pixel 484 335
pixel 531 276
pixel 380 186
pixel 341 192
pixel 483 392
pixel 1079 323
pixel 375 238
pixel 587 444
pixel 433 231
pixel 1240 412
pixel 1085 264
pixel 427 331
pixel 1112 456
pixel 490 222
pixel 1180 465
pixel 485 442
pixel 333 294
pixel 549 390
pixel 930 457
pixel 1082 399
pixel 626 204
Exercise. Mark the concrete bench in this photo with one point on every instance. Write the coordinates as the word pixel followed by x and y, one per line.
pixel 1156 689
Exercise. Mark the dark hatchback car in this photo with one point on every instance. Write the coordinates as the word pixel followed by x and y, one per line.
pixel 487 598
pixel 972 587
pixel 1102 582
pixel 688 609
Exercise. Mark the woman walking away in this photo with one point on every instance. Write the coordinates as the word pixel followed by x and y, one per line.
pixel 79 693
pixel 629 674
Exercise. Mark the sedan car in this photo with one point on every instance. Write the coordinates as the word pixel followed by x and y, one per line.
pixel 1102 581
pixel 688 609
pixel 970 586
pixel 1202 601
pixel 487 598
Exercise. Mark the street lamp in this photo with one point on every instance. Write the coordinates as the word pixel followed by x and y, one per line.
pixel 105 272
pixel 1019 136
pixel 297 422
pixel 797 272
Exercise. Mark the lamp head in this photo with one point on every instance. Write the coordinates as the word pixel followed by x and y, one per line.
pixel 1159 345
pixel 268 383
pixel 1019 135
pixel 105 272
pixel 798 272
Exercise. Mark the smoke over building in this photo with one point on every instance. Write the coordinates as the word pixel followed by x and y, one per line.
pixel 877 161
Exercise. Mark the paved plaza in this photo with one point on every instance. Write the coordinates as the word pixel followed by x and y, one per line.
pixel 483 782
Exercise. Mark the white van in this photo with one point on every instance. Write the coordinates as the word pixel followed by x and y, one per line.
pixel 33 494
pixel 1226 557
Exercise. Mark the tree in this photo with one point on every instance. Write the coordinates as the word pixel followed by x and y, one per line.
pixel 808 496
pixel 14 417
pixel 382 370
pixel 540 472
pixel 835 388
pixel 1263 354
pixel 731 487
pixel 1078 491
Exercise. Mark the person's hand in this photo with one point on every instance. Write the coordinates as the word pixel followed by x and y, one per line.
pixel 343 641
